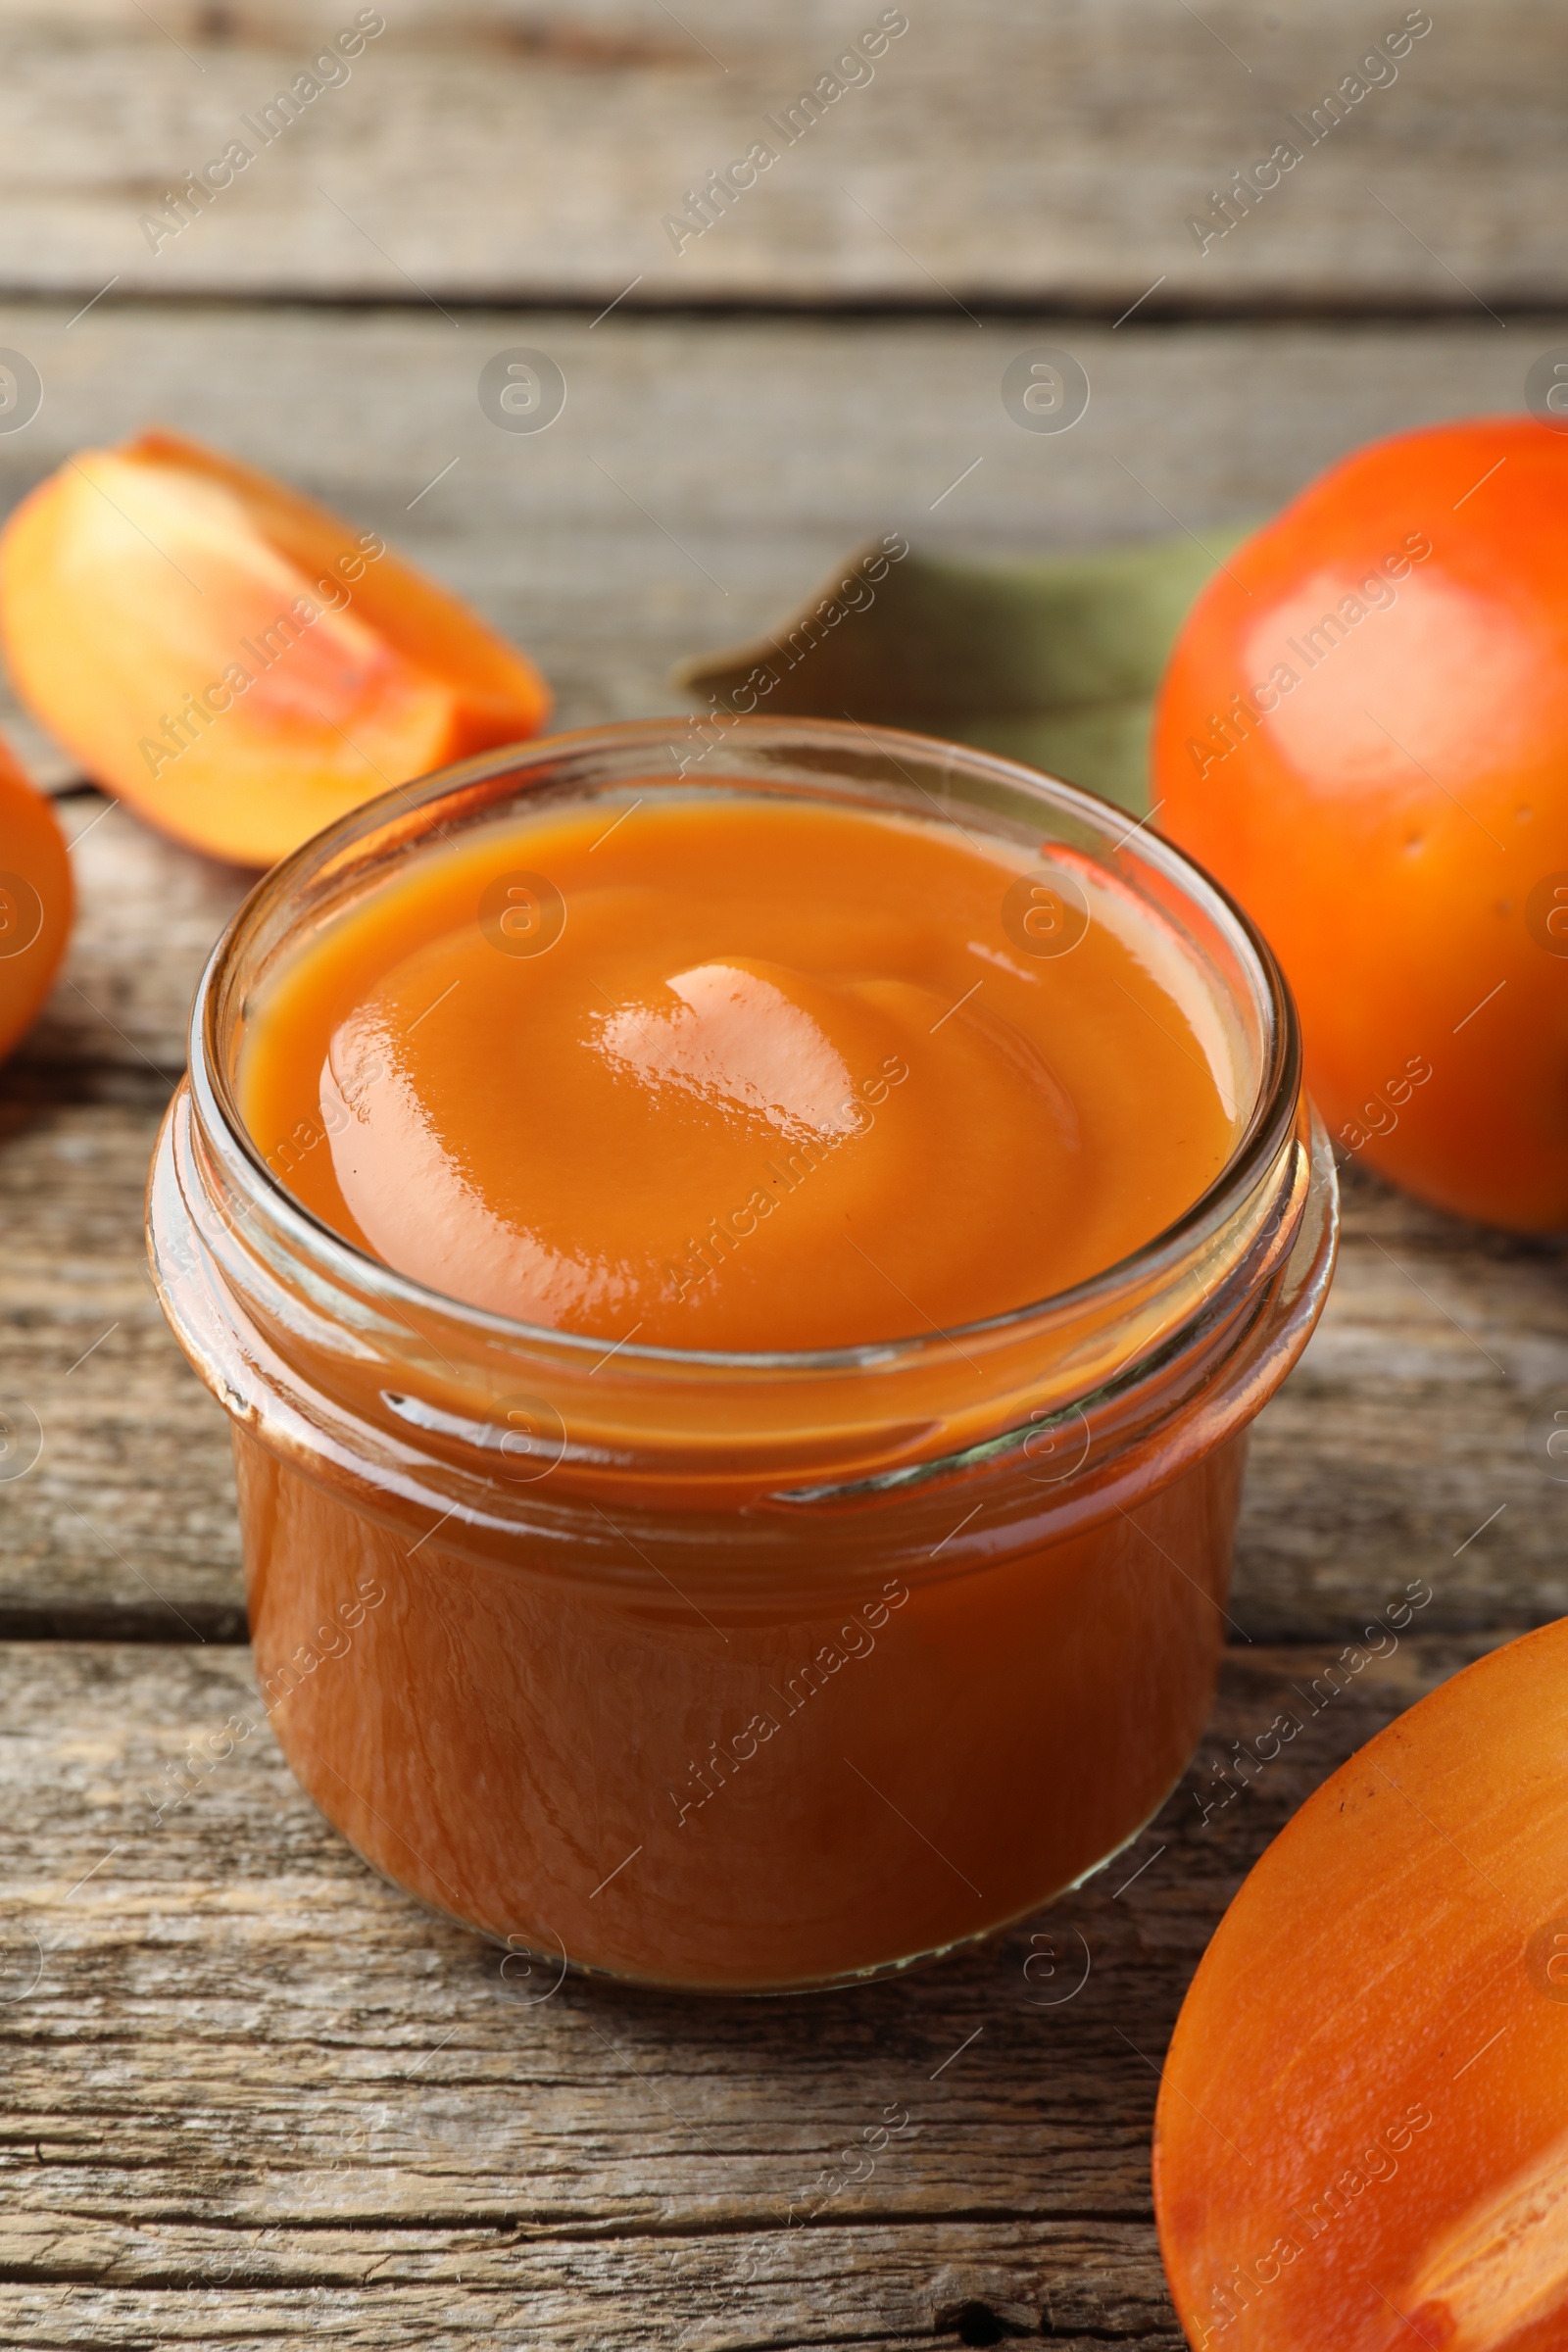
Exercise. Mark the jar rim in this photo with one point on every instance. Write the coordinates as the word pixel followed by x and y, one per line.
pixel 1262 1136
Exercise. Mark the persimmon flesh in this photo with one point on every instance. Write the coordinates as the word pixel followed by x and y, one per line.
pixel 1362 2136
pixel 1363 734
pixel 236 663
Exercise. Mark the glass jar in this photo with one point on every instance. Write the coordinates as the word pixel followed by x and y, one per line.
pixel 737 1671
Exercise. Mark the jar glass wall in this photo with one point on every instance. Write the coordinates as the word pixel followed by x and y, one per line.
pixel 735 1670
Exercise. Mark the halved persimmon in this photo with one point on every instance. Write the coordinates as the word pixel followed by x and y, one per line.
pixel 1362 2136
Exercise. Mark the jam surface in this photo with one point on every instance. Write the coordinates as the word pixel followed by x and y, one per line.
pixel 718 1070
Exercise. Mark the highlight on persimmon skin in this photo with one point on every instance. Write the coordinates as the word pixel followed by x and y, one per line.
pixel 233 660
pixel 1360 734
pixel 35 900
pixel 1362 2142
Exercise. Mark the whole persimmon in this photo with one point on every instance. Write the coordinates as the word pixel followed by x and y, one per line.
pixel 35 900
pixel 1362 2143
pixel 1363 734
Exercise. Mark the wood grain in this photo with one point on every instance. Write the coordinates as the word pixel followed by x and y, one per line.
pixel 1411 1438
pixel 125 1521
pixel 504 152
pixel 253 2096
pixel 705 474
pixel 256 2096
pixel 148 913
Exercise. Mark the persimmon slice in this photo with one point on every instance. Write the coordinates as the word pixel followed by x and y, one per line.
pixel 1362 2136
pixel 236 661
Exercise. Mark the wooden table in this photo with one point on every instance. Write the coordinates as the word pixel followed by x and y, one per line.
pixel 253 2098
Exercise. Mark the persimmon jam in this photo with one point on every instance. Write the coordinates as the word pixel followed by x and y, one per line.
pixel 729 1071
pixel 744 1293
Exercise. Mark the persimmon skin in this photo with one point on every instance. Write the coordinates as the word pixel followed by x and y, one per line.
pixel 1361 2141
pixel 1396 819
pixel 36 919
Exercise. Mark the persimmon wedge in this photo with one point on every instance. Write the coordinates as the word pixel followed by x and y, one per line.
pixel 1362 2136
pixel 236 661
pixel 35 900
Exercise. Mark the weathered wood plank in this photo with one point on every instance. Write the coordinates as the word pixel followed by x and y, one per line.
pixel 718 2296
pixel 125 1520
pixel 1000 152
pixel 1396 1439
pixel 769 447
pixel 148 912
pixel 1411 1439
pixel 253 2094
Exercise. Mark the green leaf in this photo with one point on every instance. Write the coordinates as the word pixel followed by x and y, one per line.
pixel 1055 663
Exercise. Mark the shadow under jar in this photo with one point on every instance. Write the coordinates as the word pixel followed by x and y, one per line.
pixel 744 1670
